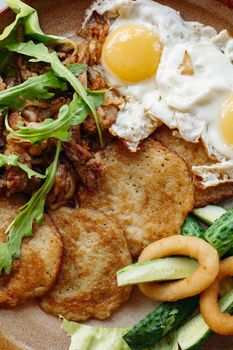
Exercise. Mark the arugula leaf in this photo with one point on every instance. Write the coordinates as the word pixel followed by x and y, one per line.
pixel 31 89
pixel 14 161
pixel 73 114
pixel 41 54
pixel 32 211
pixel 77 68
pixel 27 16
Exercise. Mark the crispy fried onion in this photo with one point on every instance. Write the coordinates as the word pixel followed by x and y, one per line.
pixel 218 321
pixel 197 282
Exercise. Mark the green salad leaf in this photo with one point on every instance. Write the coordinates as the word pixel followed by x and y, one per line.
pixel 93 337
pixel 13 160
pixel 32 211
pixel 77 68
pixel 40 53
pixel 73 114
pixel 27 16
pixel 32 89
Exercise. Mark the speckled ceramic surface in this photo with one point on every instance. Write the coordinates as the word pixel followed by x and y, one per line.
pixel 27 327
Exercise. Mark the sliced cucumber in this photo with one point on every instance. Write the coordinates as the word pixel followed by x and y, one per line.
pixel 164 269
pixel 195 332
pixel 166 318
pixel 168 343
pixel 94 338
pixel 220 233
pixel 192 227
pixel 209 214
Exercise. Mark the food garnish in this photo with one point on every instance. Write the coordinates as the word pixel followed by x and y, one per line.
pixel 77 68
pixel 160 323
pixel 14 161
pixel 209 213
pixel 31 212
pixel 192 227
pixel 73 114
pixel 32 89
pixel 220 233
pixel 219 322
pixel 171 268
pixel 40 53
pixel 27 16
pixel 92 337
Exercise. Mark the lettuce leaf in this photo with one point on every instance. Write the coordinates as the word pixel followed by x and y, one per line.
pixel 40 53
pixel 32 211
pixel 27 16
pixel 77 68
pixel 32 89
pixel 73 114
pixel 94 338
pixel 14 161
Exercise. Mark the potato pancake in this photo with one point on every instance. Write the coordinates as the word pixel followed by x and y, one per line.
pixel 35 271
pixel 94 250
pixel 148 192
pixel 194 154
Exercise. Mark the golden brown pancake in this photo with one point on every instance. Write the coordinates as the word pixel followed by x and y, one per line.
pixel 94 250
pixel 194 154
pixel 148 192
pixel 35 271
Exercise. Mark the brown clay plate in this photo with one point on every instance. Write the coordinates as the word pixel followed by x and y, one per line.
pixel 27 327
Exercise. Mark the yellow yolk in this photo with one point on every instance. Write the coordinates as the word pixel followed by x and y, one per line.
pixel 132 53
pixel 226 121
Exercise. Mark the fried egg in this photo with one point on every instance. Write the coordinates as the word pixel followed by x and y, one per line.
pixel 170 71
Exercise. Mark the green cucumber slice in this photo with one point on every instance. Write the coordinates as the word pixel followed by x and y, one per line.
pixel 164 269
pixel 209 213
pixel 192 227
pixel 161 322
pixel 195 332
pixel 220 233
pixel 168 343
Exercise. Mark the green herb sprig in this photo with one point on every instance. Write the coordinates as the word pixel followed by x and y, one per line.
pixel 13 160
pixel 40 53
pixel 32 211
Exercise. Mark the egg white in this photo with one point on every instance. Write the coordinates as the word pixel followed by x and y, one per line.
pixel 189 103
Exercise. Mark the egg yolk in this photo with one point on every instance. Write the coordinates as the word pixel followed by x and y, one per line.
pixel 226 121
pixel 132 53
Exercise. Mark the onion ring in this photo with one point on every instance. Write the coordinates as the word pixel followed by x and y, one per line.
pixel 201 279
pixel 218 321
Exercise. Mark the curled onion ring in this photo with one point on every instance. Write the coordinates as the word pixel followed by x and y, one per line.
pixel 201 279
pixel 217 320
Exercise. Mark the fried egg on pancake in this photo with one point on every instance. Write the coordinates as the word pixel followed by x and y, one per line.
pixel 94 250
pixel 139 190
pixel 35 271
pixel 171 71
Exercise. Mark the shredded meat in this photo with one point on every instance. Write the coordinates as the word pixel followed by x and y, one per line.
pixel 30 69
pixel 107 113
pixel 17 180
pixel 95 33
pixel 68 51
pixel 95 79
pixel 78 162
pixel 64 186
pixel 107 116
pixel 87 167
